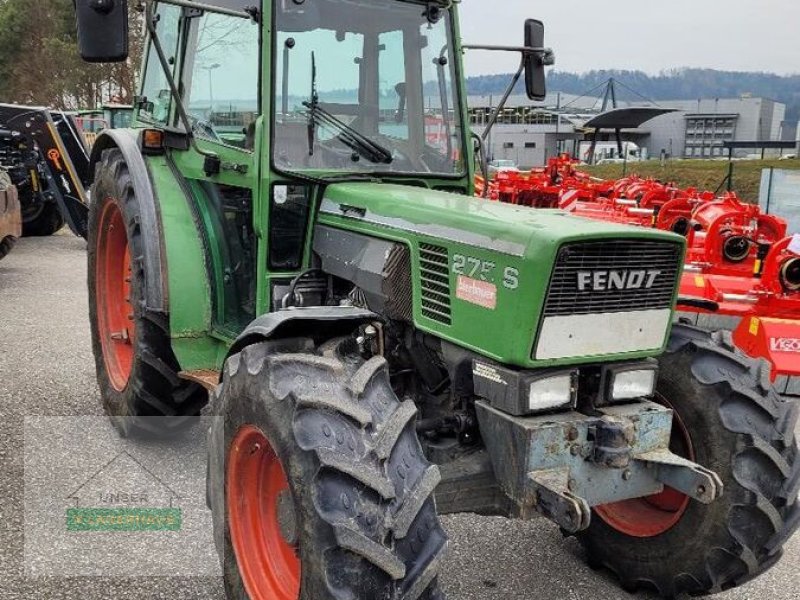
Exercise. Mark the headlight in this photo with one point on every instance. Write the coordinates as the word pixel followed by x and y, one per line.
pixel 550 393
pixel 631 384
pixel 523 393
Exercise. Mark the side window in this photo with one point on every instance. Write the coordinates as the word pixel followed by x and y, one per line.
pixel 223 78
pixel 392 86
pixel 155 88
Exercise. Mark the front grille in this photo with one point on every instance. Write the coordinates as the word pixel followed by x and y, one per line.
pixel 434 266
pixel 622 258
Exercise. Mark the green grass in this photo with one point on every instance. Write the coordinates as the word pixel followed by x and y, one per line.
pixel 701 174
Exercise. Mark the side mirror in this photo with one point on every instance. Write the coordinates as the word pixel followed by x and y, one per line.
pixel 102 30
pixel 535 62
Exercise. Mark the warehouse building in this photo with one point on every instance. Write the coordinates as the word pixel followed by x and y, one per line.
pixel 702 127
pixel 529 133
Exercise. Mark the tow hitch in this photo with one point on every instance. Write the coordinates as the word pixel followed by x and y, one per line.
pixel 561 465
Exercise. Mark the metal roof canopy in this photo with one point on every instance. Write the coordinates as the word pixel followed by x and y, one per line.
pixel 622 118
pixel 627 118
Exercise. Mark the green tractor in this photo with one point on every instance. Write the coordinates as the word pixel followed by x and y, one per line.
pixel 379 346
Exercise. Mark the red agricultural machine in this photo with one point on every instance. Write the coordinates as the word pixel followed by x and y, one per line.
pixel 742 272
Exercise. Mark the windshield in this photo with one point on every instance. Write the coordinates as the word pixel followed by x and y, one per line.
pixel 365 86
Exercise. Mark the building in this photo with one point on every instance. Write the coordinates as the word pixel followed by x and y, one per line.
pixel 701 127
pixel 529 133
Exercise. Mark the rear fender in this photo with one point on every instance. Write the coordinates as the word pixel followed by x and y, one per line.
pixel 127 141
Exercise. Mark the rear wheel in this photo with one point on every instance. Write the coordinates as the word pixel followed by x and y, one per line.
pixel 317 482
pixel 41 220
pixel 729 419
pixel 136 370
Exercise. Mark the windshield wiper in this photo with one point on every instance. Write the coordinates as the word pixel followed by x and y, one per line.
pixel 313 106
pixel 350 137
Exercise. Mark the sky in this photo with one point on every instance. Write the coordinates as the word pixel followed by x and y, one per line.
pixel 645 35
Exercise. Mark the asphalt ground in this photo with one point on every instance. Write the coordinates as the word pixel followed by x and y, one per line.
pixel 46 368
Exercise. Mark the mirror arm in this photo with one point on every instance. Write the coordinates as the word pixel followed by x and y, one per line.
pixel 247 14
pixel 546 56
pixel 502 104
pixel 545 53
pixel 162 58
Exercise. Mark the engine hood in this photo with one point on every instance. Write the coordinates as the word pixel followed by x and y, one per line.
pixel 478 262
pixel 494 226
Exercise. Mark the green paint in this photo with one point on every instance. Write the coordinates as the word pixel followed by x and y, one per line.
pixel 124 519
pixel 469 227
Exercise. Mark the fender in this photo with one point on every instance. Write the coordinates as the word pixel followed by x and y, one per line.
pixel 328 320
pixel 127 141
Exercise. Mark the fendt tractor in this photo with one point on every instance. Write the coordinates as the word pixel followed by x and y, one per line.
pixel 381 348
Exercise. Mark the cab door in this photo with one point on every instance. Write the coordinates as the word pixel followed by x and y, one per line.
pixel 216 62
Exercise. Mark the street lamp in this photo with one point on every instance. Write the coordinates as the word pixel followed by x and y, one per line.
pixel 210 68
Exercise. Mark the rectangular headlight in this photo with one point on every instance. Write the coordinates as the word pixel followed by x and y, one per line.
pixel 519 392
pixel 550 393
pixel 630 385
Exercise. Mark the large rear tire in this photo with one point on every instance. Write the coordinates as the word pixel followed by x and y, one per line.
pixel 136 369
pixel 317 483
pixel 728 419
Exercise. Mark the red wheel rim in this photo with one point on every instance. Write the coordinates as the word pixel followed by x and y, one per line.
pixel 113 291
pixel 656 514
pixel 268 564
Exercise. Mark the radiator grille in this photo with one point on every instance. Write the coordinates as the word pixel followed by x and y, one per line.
pixel 621 257
pixel 434 263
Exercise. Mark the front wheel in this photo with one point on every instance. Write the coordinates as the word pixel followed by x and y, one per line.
pixel 317 483
pixel 728 418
